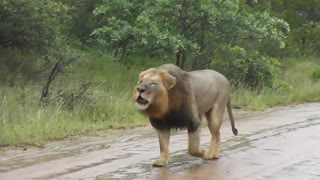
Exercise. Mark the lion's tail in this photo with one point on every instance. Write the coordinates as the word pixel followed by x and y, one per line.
pixel 234 129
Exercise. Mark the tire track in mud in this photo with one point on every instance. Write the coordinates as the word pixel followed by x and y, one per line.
pixel 180 160
pixel 268 133
pixel 305 169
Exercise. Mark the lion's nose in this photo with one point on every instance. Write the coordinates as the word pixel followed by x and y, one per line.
pixel 141 90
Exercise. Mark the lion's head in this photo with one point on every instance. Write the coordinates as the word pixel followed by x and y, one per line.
pixel 150 95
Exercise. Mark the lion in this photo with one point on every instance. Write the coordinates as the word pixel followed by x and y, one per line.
pixel 175 99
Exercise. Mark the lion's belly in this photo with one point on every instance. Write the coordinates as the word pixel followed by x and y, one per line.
pixel 175 120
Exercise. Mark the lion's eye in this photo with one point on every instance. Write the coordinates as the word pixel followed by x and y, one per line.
pixel 153 84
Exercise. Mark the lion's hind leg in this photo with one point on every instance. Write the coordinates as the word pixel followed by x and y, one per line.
pixel 214 118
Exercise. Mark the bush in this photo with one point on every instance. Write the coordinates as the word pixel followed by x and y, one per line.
pixel 316 75
pixel 31 25
pixel 304 40
pixel 249 69
pixel 15 63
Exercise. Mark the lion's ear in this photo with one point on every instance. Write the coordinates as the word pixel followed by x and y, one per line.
pixel 168 80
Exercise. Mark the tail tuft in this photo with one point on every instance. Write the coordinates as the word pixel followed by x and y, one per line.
pixel 235 131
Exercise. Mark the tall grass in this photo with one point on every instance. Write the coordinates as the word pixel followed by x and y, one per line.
pixel 298 87
pixel 28 123
pixel 107 102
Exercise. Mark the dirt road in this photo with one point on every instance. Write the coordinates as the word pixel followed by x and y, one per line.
pixel 281 143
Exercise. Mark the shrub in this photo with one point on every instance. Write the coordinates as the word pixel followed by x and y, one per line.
pixel 249 69
pixel 316 75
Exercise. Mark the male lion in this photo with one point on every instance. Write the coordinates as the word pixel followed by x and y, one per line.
pixel 176 99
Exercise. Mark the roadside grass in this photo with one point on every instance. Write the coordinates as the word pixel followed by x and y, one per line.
pixel 298 87
pixel 27 123
pixel 105 105
pixel 107 102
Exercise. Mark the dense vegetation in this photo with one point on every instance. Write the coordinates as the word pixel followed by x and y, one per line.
pixel 68 66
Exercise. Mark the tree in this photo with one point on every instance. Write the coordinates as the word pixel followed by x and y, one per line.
pixel 186 29
pixel 82 20
pixel 31 25
pixel 304 20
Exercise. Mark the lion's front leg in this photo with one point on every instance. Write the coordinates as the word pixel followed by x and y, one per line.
pixel 164 136
pixel 194 143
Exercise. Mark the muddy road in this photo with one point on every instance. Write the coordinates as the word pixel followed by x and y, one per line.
pixel 280 143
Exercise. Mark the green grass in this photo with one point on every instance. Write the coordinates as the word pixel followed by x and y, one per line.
pixel 299 87
pixel 27 123
pixel 107 102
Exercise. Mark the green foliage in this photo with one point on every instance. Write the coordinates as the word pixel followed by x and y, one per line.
pixel 303 17
pixel 243 39
pixel 70 110
pixel 246 68
pixel 31 25
pixel 316 75
pixel 186 28
pixel 307 38
pixel 15 63
pixel 106 103
pixel 31 37
pixel 82 21
pixel 294 86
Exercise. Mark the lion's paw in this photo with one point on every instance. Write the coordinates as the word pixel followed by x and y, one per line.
pixel 159 163
pixel 210 156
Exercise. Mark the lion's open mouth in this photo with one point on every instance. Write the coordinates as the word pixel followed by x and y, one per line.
pixel 142 101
